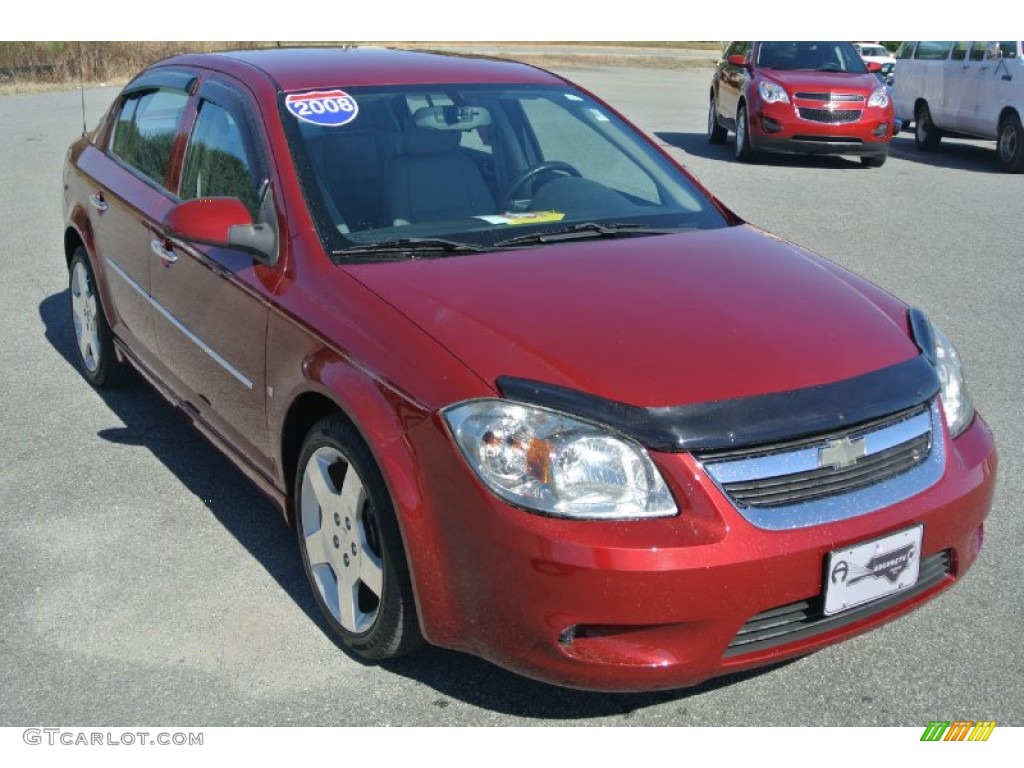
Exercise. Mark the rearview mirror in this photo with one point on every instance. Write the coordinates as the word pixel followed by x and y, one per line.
pixel 739 60
pixel 874 66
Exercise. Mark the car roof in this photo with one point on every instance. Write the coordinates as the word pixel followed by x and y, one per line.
pixel 292 69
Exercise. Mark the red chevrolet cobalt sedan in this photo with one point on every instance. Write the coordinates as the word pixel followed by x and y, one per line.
pixel 522 386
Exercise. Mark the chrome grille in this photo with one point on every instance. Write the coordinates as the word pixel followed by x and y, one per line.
pixel 830 116
pixel 845 97
pixel 833 476
pixel 826 481
pixel 806 618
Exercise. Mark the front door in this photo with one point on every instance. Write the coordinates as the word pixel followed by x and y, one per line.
pixel 213 302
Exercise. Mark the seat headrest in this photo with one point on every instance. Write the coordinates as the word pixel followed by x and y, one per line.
pixel 420 141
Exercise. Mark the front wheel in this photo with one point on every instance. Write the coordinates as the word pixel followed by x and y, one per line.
pixel 351 546
pixel 926 135
pixel 1010 145
pixel 744 151
pixel 94 340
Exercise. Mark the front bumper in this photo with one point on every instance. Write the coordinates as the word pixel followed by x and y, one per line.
pixel 628 606
pixel 780 128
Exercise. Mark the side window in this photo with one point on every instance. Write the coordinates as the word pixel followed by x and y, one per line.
pixel 145 129
pixel 933 50
pixel 587 151
pixel 1009 49
pixel 218 162
pixel 906 50
pixel 960 50
pixel 978 50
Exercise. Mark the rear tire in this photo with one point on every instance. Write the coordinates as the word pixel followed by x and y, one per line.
pixel 1010 145
pixel 744 152
pixel 926 135
pixel 716 133
pixel 94 341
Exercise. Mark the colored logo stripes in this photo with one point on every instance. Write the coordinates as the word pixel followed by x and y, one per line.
pixel 958 730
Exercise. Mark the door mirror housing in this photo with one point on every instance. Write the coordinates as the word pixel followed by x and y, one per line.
pixel 739 60
pixel 224 222
pixel 874 66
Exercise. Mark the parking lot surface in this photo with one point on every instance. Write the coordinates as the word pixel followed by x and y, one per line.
pixel 145 581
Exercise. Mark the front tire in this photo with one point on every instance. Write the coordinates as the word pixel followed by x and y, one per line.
pixel 926 135
pixel 716 133
pixel 744 151
pixel 351 546
pixel 94 340
pixel 1010 145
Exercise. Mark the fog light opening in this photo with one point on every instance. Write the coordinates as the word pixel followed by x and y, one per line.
pixel 770 126
pixel 882 129
pixel 979 539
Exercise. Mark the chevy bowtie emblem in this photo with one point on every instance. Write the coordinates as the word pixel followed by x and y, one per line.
pixel 841 453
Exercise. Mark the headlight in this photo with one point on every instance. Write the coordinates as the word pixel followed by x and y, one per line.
pixel 880 98
pixel 551 463
pixel 772 92
pixel 956 403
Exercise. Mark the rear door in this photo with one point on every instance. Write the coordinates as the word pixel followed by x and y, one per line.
pixel 128 193
pixel 732 80
pixel 213 302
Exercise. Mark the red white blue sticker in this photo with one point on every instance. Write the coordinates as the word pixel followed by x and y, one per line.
pixel 326 108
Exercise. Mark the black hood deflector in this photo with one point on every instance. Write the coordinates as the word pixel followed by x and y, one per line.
pixel 746 421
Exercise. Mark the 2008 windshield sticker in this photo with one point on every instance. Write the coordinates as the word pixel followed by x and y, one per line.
pixel 327 108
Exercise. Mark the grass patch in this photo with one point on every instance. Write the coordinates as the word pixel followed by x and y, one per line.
pixel 33 66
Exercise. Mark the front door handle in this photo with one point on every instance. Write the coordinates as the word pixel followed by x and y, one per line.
pixel 98 202
pixel 165 254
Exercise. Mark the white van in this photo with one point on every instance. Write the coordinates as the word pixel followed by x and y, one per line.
pixel 958 88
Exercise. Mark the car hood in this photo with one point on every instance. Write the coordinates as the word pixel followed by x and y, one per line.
pixel 650 321
pixel 807 80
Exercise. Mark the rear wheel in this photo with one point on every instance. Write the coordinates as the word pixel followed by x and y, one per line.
pixel 1010 145
pixel 744 152
pixel 926 135
pixel 93 338
pixel 351 545
pixel 716 133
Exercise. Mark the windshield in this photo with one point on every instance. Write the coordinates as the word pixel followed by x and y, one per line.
pixel 835 56
pixel 480 166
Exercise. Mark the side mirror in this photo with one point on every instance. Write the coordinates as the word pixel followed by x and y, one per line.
pixel 874 66
pixel 739 60
pixel 223 222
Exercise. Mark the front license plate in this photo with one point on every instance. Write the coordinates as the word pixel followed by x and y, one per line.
pixel 871 570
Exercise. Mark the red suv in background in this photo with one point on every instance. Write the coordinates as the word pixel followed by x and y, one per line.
pixel 807 97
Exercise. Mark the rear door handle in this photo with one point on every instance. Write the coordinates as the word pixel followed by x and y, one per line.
pixel 98 202
pixel 165 253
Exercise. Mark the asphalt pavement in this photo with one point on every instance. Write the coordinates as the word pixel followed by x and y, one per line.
pixel 145 581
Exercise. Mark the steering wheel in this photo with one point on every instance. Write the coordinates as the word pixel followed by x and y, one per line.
pixel 549 166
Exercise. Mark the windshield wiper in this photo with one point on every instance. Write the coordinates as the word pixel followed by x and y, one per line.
pixel 583 231
pixel 411 246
